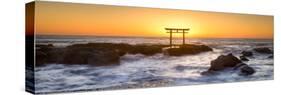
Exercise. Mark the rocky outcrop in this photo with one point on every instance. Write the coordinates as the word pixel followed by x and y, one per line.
pixel 243 58
pixel 90 56
pixel 101 54
pixel 223 62
pixel 123 49
pixel 263 50
pixel 47 54
pixel 228 61
pixel 188 49
pixel 146 49
pixel 271 56
pixel 247 53
pixel 246 70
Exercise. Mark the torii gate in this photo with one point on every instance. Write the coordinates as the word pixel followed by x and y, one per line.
pixel 177 30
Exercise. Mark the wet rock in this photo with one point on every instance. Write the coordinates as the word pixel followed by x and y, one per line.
pixel 209 73
pixel 146 49
pixel 247 53
pixel 102 54
pixel 41 58
pixel 90 55
pixel 180 68
pixel 228 61
pixel 47 54
pixel 271 56
pixel 43 47
pixel 238 66
pixel 263 50
pixel 123 49
pixel 188 49
pixel 243 58
pixel 223 62
pixel 246 70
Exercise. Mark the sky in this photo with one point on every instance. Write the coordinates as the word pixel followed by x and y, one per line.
pixel 55 18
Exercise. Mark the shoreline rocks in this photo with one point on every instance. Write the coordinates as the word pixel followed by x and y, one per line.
pixel 103 54
pixel 271 56
pixel 228 61
pixel 187 50
pixel 263 50
pixel 247 53
pixel 224 61
pixel 243 58
pixel 90 56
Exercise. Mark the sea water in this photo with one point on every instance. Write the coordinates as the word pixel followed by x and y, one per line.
pixel 138 71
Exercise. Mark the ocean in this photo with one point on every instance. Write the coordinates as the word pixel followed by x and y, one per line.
pixel 140 71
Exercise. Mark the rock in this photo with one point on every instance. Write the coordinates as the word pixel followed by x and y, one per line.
pixel 209 73
pixel 271 56
pixel 90 55
pixel 228 61
pixel 247 53
pixel 188 49
pixel 223 62
pixel 146 49
pixel 180 68
pixel 238 66
pixel 43 47
pixel 102 54
pixel 47 54
pixel 243 58
pixel 41 58
pixel 263 50
pixel 246 70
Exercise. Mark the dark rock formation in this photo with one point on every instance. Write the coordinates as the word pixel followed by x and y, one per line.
pixel 263 50
pixel 102 54
pixel 223 62
pixel 228 61
pixel 188 49
pixel 180 68
pixel 145 49
pixel 247 53
pixel 209 73
pixel 90 55
pixel 123 49
pixel 271 56
pixel 246 70
pixel 47 54
pixel 243 58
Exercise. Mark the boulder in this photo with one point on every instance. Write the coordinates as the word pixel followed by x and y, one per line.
pixel 228 61
pixel 246 70
pixel 188 49
pixel 243 58
pixel 247 53
pixel 223 62
pixel 263 50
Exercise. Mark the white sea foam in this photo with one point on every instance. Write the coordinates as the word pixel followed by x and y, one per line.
pixel 147 71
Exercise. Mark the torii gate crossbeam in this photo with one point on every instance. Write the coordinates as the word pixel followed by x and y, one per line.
pixel 177 30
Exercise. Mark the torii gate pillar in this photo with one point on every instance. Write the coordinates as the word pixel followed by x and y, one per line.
pixel 177 30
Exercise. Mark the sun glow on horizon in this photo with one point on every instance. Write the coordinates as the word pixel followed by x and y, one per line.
pixel 54 18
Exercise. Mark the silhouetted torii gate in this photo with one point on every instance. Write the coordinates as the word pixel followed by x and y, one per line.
pixel 177 30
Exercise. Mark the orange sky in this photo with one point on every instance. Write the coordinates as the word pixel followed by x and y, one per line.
pixel 53 18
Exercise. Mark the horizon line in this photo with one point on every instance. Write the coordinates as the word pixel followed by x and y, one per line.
pixel 148 36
